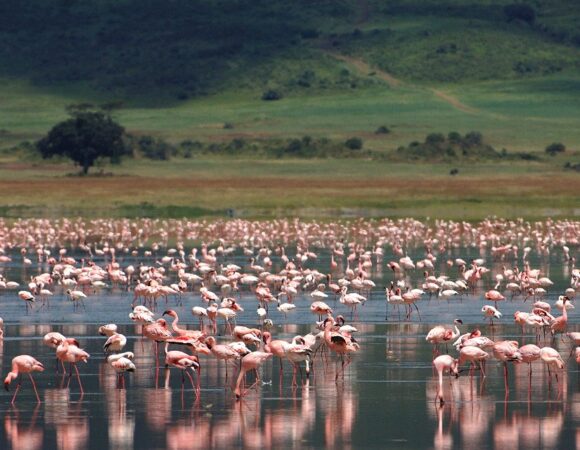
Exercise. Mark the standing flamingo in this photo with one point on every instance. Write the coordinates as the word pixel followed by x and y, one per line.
pixel 530 353
pixel 122 362
pixel 506 351
pixel 494 296
pixel 72 354
pixel 444 363
pixel 560 324
pixel 553 360
pixel 182 361
pixel 23 364
pixel 252 361
pixel 339 344
pixel 473 355
pixel 157 332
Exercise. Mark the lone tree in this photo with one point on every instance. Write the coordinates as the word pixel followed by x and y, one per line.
pixel 555 148
pixel 85 137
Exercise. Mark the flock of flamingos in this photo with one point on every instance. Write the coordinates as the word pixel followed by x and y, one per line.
pixel 192 262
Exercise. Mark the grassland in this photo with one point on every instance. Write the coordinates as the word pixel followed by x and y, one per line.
pixel 344 68
pixel 307 188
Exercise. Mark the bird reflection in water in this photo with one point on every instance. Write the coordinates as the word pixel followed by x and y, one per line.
pixel 23 436
pixel 69 419
pixel 474 418
pixel 157 408
pixel 121 425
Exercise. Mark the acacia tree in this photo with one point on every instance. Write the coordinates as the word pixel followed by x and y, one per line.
pixel 85 137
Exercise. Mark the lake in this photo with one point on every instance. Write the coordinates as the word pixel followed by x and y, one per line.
pixel 386 399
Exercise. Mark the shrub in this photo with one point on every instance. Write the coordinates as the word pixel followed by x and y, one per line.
pixel 382 130
pixel 271 94
pixel 434 139
pixel 473 138
pixel 454 137
pixel 520 11
pixel 555 148
pixel 354 143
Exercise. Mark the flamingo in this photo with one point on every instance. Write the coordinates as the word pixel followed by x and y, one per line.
pixel 122 362
pixel 530 353
pixel 72 354
pixel 298 351
pixel 560 324
pixel 194 334
pixel 27 297
pixel 23 364
pixel 157 332
pixel 277 347
pixel 506 351
pixel 490 312
pixel 222 352
pixel 115 343
pixel 339 344
pixel 494 296
pixel 440 334
pixel 553 360
pixel 252 361
pixel 473 355
pixel 444 363
pixel 183 361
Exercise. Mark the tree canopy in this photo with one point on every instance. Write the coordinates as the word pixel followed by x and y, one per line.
pixel 85 137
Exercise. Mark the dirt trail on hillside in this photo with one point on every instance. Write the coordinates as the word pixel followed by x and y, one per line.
pixel 394 82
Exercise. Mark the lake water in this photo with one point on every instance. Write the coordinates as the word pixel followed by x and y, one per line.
pixel 386 399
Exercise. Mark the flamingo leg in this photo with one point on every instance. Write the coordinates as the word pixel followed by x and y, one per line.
pixel 34 386
pixel 16 392
pixel 505 375
pixel 79 378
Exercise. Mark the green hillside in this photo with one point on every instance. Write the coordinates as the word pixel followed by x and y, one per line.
pixel 180 70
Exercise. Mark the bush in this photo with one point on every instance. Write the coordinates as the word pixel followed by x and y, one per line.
pixel 521 12
pixel 382 130
pixel 271 94
pixel 156 149
pixel 473 138
pixel 454 137
pixel 434 139
pixel 354 143
pixel 555 148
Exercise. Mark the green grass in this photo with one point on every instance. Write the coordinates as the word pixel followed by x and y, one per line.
pixel 316 188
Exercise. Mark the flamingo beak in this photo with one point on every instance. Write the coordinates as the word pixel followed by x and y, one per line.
pixel 7 385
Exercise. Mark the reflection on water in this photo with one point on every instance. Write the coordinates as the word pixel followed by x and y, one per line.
pixel 386 398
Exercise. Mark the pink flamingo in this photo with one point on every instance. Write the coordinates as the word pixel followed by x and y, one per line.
pixel 530 353
pixel 222 352
pixel 23 364
pixel 494 296
pixel 553 360
pixel 183 361
pixel 506 351
pixel 473 355
pixel 277 347
pixel 252 361
pixel 560 324
pixel 70 353
pixel 444 363
pixel 195 334
pixel 157 332
pixel 339 344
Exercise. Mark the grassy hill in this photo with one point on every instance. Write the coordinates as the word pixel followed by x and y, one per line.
pixel 197 70
pixel 158 54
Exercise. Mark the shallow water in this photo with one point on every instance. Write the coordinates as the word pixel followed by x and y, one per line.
pixel 385 400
